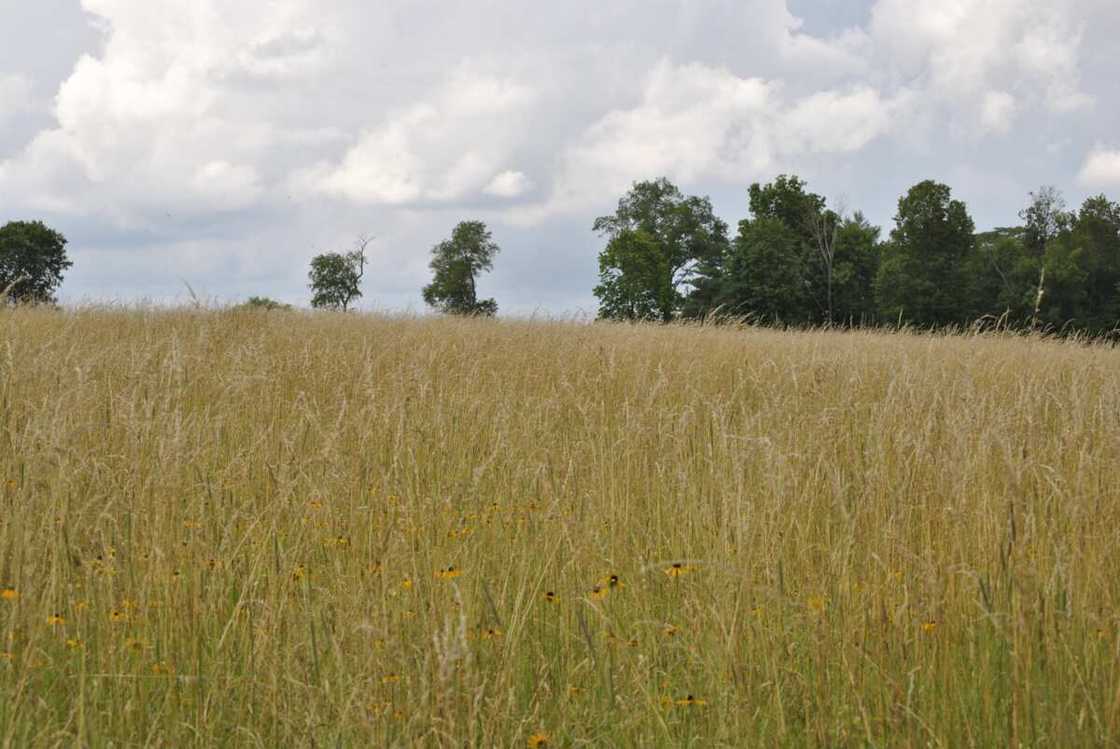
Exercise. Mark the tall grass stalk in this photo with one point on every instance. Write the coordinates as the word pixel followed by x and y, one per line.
pixel 259 529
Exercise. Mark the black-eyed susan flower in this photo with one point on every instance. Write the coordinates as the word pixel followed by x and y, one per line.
pixel 299 572
pixel 677 569
pixel 116 616
pixel 551 597
pixel 9 594
pixel 390 678
pixel 929 627
pixel 690 701
pixel 599 592
pixel 406 584
pixel 490 633
pixel 670 630
pixel 538 739
pixel 448 573
pixel 56 619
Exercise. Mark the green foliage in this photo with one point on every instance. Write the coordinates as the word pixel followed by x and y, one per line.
pixel 336 278
pixel 765 274
pixel 262 303
pixel 921 280
pixel 32 261
pixel 856 263
pixel 785 200
pixel 657 240
pixel 1003 276
pixel 455 264
pixel 1082 283
pixel 1043 220
pixel 636 280
pixel 794 261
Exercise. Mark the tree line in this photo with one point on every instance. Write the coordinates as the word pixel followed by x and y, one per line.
pixel 794 261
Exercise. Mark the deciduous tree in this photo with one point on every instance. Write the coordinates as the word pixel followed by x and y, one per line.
pixel 32 261
pixel 456 262
pixel 656 240
pixel 336 278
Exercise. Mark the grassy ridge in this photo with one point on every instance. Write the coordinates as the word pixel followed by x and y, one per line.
pixel 263 529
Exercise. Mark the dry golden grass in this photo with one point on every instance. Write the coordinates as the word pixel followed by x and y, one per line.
pixel 250 529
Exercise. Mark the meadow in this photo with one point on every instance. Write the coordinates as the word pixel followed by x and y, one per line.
pixel 224 528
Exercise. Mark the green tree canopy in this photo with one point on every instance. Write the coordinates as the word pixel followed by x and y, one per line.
pixel 921 279
pixel 1082 263
pixel 656 240
pixel 456 262
pixel 32 261
pixel 856 263
pixel 336 278
pixel 793 261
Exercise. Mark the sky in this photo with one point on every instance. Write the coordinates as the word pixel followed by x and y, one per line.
pixel 223 144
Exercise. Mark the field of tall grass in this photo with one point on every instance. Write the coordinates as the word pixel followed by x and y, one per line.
pixel 267 529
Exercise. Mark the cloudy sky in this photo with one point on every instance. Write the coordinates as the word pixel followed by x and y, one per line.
pixel 225 142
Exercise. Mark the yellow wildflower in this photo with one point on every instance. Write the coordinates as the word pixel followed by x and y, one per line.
pixel 9 594
pixel 490 633
pixel 407 583
pixel 56 618
pixel 929 627
pixel 677 569
pixel 817 604
pixel 73 643
pixel 390 678
pixel 670 630
pixel 449 573
pixel 551 597
pixel 118 617
pixel 538 739
pixel 691 701
pixel 599 592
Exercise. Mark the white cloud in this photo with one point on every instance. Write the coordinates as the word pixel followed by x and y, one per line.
pixel 700 123
pixel 1101 168
pixel 963 49
pixel 446 149
pixel 997 112
pixel 509 184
